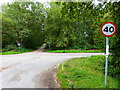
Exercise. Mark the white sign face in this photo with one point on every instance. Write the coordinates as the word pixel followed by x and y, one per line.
pixel 108 29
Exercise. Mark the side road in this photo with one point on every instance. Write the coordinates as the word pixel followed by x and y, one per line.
pixel 33 69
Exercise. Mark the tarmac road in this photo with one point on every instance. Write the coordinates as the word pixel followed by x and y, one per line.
pixel 27 70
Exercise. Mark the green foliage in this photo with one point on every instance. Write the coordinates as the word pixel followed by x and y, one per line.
pixel 22 50
pixel 7 53
pixel 10 47
pixel 74 25
pixel 114 66
pixel 76 51
pixel 84 72
pixel 66 25
pixel 114 62
pixel 22 21
pixel 14 49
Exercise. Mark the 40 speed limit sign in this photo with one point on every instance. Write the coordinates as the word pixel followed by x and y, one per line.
pixel 108 29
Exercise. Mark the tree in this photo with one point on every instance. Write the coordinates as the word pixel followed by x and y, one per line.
pixel 61 31
pixel 85 20
pixel 114 64
pixel 21 19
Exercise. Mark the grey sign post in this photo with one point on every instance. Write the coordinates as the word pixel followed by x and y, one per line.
pixel 108 29
pixel 107 55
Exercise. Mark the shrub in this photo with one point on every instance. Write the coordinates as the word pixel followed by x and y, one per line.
pixel 114 66
pixel 10 47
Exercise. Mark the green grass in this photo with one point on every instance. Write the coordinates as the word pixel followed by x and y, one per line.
pixel 76 51
pixel 14 52
pixel 84 72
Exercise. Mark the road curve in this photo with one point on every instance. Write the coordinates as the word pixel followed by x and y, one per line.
pixel 27 70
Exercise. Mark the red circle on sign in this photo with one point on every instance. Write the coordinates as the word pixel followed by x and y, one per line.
pixel 107 23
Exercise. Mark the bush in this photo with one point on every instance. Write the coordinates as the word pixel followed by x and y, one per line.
pixel 115 62
pixel 114 67
pixel 10 47
pixel 21 49
pixel 74 47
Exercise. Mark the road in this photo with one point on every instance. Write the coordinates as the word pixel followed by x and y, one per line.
pixel 28 70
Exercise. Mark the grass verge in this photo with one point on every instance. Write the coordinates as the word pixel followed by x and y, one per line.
pixel 14 52
pixel 84 72
pixel 76 51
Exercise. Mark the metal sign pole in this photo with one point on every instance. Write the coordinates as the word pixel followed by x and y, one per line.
pixel 108 29
pixel 106 64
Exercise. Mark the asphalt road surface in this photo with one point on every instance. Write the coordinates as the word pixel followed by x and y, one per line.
pixel 28 70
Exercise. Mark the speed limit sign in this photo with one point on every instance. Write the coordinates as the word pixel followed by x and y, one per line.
pixel 108 29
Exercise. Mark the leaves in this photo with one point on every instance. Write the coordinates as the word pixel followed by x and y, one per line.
pixel 22 19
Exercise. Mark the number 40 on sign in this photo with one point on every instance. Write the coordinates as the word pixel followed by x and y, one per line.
pixel 108 29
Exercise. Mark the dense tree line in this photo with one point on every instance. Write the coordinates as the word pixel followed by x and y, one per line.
pixel 64 25
pixel 74 25
pixel 22 22
pixel 115 61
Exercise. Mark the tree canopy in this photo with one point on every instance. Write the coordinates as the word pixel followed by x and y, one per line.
pixel 21 21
